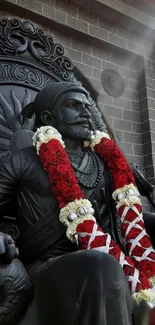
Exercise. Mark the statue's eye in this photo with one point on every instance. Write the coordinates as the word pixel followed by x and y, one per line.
pixel 72 104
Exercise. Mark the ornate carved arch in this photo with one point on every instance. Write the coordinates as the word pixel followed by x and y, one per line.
pixel 31 59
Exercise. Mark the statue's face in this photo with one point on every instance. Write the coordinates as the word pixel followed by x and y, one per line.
pixel 73 119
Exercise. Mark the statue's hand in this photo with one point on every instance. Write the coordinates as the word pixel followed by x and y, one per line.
pixel 8 250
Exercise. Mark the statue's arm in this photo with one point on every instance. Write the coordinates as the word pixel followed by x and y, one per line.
pixel 15 287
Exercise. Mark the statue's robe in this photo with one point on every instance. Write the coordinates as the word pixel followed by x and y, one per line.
pixel 84 287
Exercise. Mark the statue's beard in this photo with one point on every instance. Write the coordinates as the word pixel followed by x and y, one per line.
pixel 76 132
pixel 81 133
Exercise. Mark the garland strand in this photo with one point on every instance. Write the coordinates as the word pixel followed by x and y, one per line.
pixel 76 213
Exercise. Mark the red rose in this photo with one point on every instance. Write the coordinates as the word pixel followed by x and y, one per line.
pixel 129 260
pixel 131 215
pixel 120 179
pixel 105 151
pixel 124 227
pixel 132 234
pixel 141 223
pixel 45 155
pixel 120 210
pixel 54 145
pixel 67 193
pixel 72 179
pixel 115 252
pixel 75 188
pixel 127 270
pixel 111 166
pixel 116 153
pixel 83 242
pixel 145 242
pixel 44 146
pixel 85 226
pixel 144 281
pixel 62 185
pixel 131 178
pixel 98 242
pixel 148 268
pixel 62 169
pixel 51 171
pixel 62 153
pixel 152 255
pixel 121 164
pixel 107 143
pixel 63 161
pixel 55 178
pixel 76 192
pixel 137 251
pixel 53 158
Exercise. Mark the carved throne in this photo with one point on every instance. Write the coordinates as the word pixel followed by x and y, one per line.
pixel 29 60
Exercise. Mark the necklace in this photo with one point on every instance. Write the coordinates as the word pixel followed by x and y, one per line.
pixel 87 167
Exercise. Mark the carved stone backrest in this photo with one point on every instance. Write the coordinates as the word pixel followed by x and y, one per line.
pixel 29 60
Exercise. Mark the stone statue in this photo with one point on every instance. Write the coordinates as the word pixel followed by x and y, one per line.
pixel 72 286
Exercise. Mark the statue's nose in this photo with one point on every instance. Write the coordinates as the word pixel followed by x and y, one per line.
pixel 86 113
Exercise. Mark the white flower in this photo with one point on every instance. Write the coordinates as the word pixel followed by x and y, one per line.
pixel 126 191
pixel 77 207
pixel 44 134
pixel 127 195
pixel 98 135
pixel 147 294
pixel 75 213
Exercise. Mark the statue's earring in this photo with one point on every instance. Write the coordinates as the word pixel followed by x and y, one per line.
pixel 47 118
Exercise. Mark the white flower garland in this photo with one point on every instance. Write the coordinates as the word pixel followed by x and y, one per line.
pixel 75 213
pixel 97 138
pixel 148 295
pixel 127 195
pixel 44 134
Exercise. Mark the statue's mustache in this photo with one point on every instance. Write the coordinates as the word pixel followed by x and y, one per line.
pixel 79 122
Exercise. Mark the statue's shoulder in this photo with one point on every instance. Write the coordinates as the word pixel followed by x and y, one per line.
pixel 20 162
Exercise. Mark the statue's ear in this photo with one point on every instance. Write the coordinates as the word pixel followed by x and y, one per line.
pixel 46 118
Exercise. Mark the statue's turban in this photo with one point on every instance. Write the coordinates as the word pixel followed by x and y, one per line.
pixel 48 96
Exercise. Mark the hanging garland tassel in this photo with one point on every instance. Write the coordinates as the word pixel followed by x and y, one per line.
pixel 77 214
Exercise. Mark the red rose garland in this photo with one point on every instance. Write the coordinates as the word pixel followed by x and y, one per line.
pixel 64 183
pixel 137 241
pixel 77 214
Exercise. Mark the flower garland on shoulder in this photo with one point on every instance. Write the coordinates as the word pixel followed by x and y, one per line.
pixel 77 214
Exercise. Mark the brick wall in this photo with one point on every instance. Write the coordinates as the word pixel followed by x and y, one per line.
pixel 94 44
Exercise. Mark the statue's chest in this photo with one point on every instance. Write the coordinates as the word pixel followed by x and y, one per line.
pixel 92 174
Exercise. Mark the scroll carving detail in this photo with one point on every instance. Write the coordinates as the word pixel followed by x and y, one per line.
pixel 18 73
pixel 22 38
